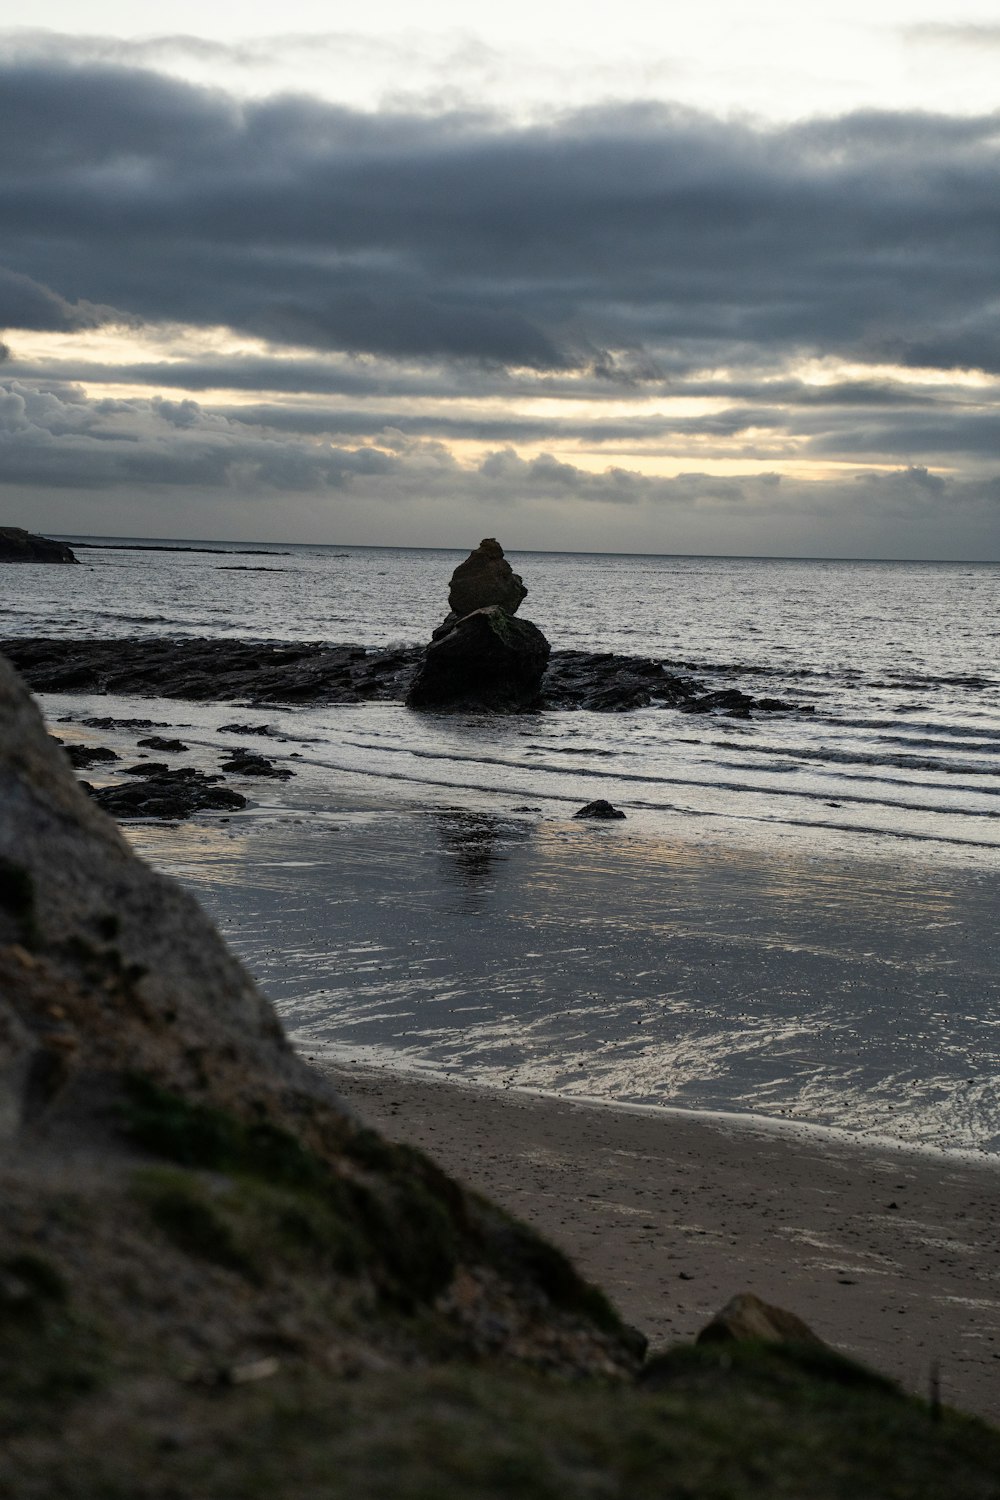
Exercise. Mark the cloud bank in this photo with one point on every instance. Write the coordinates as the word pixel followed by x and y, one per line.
pixel 413 299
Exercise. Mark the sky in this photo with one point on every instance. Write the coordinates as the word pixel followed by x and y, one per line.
pixel 715 279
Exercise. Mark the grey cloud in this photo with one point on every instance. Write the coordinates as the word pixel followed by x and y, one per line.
pixel 289 376
pixel 380 378
pixel 33 45
pixel 854 421
pixel 58 438
pixel 971 434
pixel 670 239
pixel 143 459
pixel 959 34
pixel 513 429
pixel 25 303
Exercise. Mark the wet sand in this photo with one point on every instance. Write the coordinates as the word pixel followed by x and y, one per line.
pixel 891 1255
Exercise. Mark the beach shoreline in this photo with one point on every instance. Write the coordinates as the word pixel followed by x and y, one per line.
pixel 890 1254
pixel 499 942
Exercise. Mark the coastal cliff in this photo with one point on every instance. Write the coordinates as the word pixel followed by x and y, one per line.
pixel 214 1279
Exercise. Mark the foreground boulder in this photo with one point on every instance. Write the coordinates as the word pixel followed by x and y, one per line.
pixel 185 1187
pixel 481 656
pixel 18 545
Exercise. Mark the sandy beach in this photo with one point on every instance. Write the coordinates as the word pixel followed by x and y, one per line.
pixel 892 1255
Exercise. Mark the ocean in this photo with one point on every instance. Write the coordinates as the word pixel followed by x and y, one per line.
pixel 796 919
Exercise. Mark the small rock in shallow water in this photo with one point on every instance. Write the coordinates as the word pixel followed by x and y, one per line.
pixel 107 722
pixel 165 746
pixel 599 809
pixel 88 755
pixel 168 794
pixel 246 763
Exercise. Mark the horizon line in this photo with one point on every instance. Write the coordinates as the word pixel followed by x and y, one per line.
pixel 83 536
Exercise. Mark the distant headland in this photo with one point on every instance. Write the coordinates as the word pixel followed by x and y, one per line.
pixel 18 545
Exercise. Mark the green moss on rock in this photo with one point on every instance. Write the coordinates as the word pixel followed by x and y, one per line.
pixel 393 1217
pixel 48 1355
pixel 182 1208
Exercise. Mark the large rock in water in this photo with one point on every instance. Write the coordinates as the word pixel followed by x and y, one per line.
pixel 489 659
pixel 18 545
pixel 485 578
pixel 481 656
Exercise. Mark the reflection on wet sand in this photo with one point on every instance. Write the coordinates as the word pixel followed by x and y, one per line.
pixel 474 845
pixel 593 961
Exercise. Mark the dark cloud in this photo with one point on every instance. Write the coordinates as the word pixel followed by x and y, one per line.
pixel 676 238
pixel 25 303
pixel 57 438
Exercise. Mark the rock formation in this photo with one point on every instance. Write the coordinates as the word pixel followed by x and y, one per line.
pixel 481 656
pixel 156 791
pixel 601 808
pixel 747 1317
pixel 193 1190
pixel 485 578
pixel 311 672
pixel 18 545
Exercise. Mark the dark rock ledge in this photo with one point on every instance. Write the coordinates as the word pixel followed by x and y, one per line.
pixel 18 545
pixel 311 672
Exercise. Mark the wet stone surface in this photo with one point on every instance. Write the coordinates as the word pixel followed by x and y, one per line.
pixel 310 672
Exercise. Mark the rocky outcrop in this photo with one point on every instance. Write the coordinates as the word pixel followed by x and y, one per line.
pixel 158 792
pixel 608 682
pixel 18 545
pixel 242 762
pixel 481 656
pixel 485 578
pixel 196 1194
pixel 489 659
pixel 748 1317
pixel 307 672
pixel 219 671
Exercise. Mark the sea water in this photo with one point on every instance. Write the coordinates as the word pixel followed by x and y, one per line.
pixel 797 917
